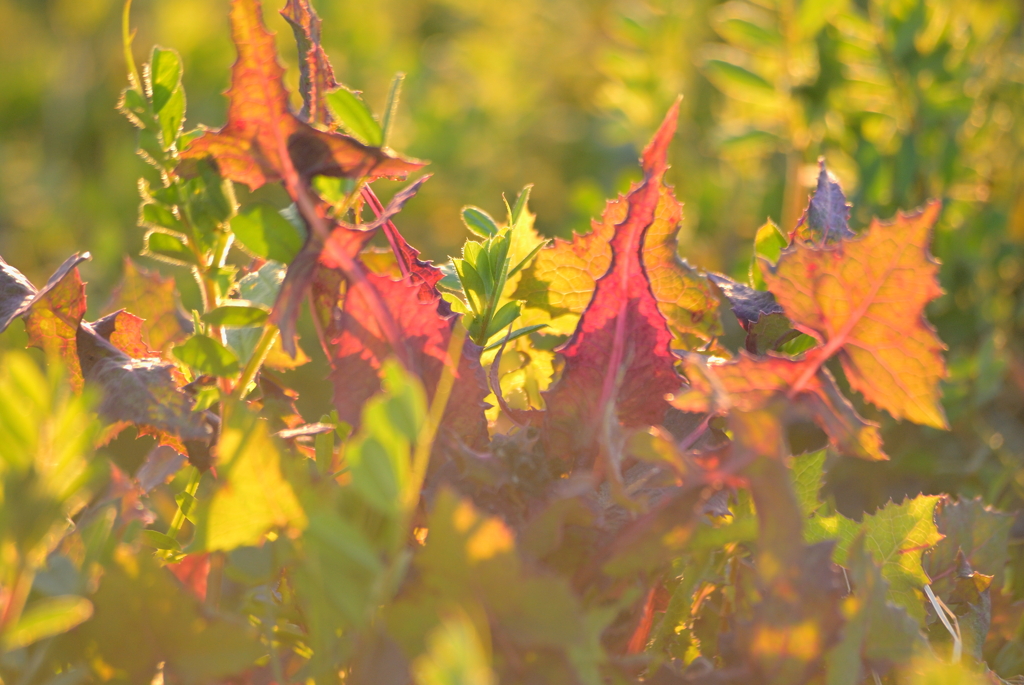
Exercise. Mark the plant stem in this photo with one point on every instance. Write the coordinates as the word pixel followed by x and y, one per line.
pixel 252 367
pixel 425 441
pixel 179 516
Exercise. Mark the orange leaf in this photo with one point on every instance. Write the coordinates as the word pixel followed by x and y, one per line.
pixel 151 297
pixel 864 298
pixel 751 384
pixel 263 140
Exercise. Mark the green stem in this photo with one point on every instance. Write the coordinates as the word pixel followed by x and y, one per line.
pixel 179 516
pixel 252 367
pixel 126 37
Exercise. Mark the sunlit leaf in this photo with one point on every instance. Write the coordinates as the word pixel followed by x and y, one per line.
pixel 253 497
pixel 864 298
pixel 263 139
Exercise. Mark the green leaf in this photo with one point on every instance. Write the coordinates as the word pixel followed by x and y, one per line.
pixel 897 537
pixel 353 114
pixel 46 618
pixel 157 215
pixel 187 503
pixel 479 222
pixel 168 247
pixel 155 538
pixel 738 82
pixel 518 333
pixel 520 211
pixel 263 232
pixel 380 453
pixel 808 472
pixel 253 496
pixel 164 76
pixel 168 97
pixel 768 244
pixel 237 314
pixel 502 318
pixel 144 617
pixel 203 353
pixel 455 655
pixel 391 107
pixel 259 287
pixel 876 631
pixel 472 284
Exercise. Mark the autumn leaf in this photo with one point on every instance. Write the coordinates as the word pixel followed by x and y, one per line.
pixel 263 140
pixel 253 496
pixel 359 347
pixel 619 358
pixel 53 315
pixel 140 391
pixel 124 331
pixel 826 219
pixel 559 284
pixel 316 76
pixel 425 274
pixel 144 392
pixel 864 299
pixel 339 248
pixel 750 383
pixel 16 292
pixel 151 297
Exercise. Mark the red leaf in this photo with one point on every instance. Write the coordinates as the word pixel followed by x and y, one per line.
pixel 193 571
pixel 262 140
pixel 316 76
pixel 619 357
pixel 359 347
pixel 425 274
pixel 338 250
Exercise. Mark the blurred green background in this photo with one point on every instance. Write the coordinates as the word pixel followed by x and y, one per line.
pixel 906 100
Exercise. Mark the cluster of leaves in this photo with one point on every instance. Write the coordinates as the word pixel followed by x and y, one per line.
pixel 542 464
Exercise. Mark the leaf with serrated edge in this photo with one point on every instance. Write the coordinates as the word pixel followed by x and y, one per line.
pixel 359 348
pixel 752 383
pixel 897 537
pixel 316 76
pixel 979 531
pixel 620 354
pixel 124 331
pixel 261 128
pixel 151 297
pixel 559 283
pixel 827 215
pixel 141 391
pixel 864 298
pixel 53 318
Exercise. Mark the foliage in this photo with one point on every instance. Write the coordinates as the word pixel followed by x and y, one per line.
pixel 630 508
